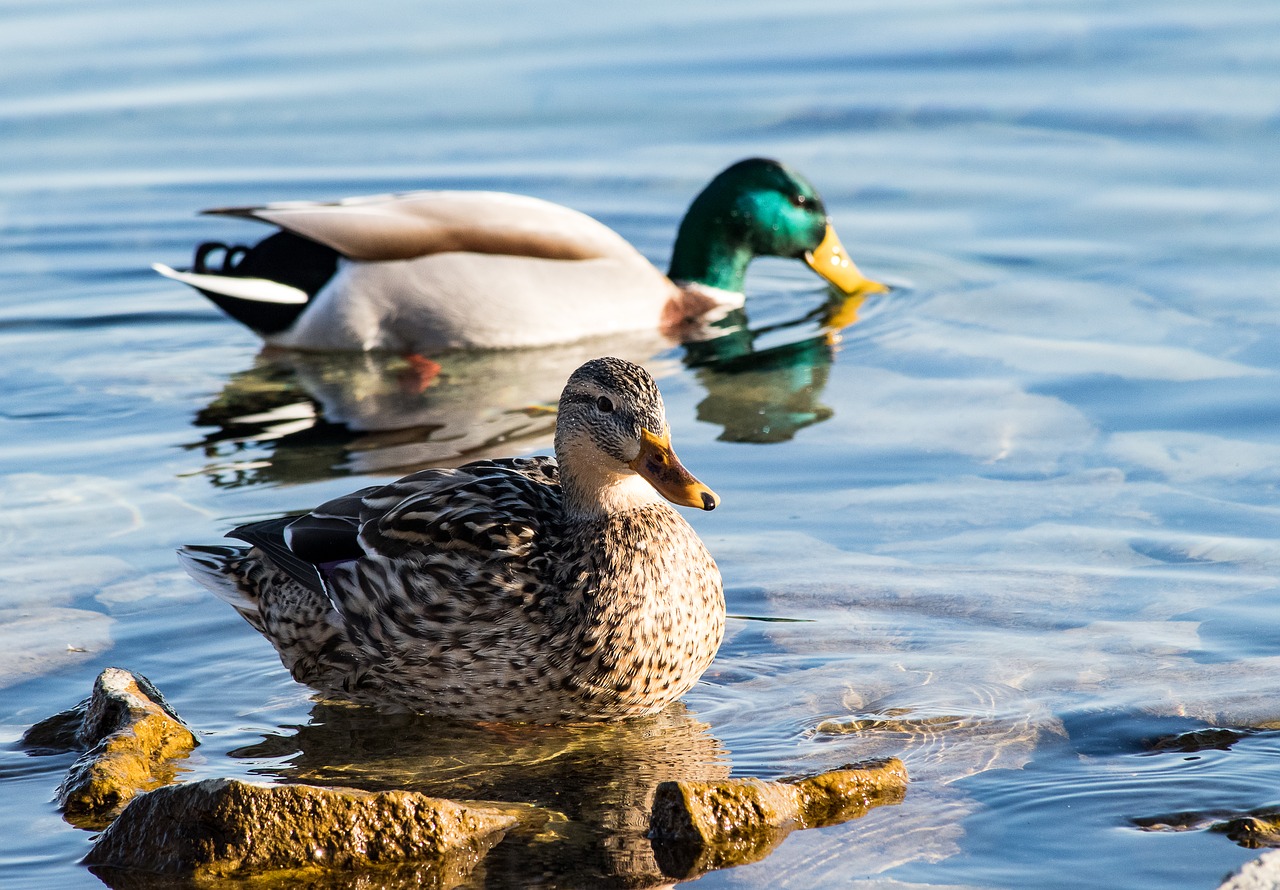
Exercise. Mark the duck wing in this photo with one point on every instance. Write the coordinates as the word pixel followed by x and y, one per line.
pixel 298 545
pixel 493 509
pixel 415 224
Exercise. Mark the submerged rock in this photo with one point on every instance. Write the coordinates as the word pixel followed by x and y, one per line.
pixel 586 790
pixel 700 826
pixel 221 828
pixel 1211 738
pixel 130 738
pixel 1251 830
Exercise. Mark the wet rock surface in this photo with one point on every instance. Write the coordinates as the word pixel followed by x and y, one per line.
pixel 296 834
pixel 632 805
pixel 1262 873
pixel 130 737
pixel 700 826
pixel 587 790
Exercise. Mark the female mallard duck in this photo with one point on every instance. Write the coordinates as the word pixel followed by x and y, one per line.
pixel 513 590
pixel 422 271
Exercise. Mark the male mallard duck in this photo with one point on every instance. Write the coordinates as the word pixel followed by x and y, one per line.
pixel 427 270
pixel 513 590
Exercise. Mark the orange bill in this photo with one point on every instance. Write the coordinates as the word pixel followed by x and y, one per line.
pixel 658 465
pixel 830 260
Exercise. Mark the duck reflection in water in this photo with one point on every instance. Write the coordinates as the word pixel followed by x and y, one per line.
pixel 584 791
pixel 760 391
pixel 297 417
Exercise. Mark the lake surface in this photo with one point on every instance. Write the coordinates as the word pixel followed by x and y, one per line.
pixel 1019 518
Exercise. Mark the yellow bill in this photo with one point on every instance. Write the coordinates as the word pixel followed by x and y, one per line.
pixel 658 465
pixel 830 261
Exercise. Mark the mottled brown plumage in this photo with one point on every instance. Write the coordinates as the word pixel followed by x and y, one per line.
pixel 515 590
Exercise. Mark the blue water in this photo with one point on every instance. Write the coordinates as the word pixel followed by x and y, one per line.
pixel 1022 512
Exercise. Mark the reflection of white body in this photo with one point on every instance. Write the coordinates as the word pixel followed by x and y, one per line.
pixel 488 403
pixel 482 404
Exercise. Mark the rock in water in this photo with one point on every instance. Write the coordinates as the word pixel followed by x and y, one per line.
pixel 130 738
pixel 700 826
pixel 1262 873
pixel 224 827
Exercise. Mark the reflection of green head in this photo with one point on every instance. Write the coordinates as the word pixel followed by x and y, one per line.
pixel 767 396
pixel 757 207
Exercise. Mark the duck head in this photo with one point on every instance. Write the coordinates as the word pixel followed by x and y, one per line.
pixel 614 445
pixel 760 207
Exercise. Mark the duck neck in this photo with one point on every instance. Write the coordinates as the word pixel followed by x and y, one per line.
pixel 611 497
pixel 597 489
pixel 706 253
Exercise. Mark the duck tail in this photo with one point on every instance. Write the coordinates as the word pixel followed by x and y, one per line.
pixel 221 569
pixel 264 287
pixel 299 622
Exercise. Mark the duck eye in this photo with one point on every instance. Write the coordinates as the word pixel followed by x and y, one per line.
pixel 798 200
pixel 604 405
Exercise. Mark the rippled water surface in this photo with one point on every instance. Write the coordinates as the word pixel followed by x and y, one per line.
pixel 1019 517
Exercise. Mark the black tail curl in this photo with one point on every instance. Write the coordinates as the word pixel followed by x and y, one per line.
pixel 231 258
pixel 284 257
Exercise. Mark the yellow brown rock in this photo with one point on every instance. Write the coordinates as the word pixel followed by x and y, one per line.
pixel 222 828
pixel 1252 830
pixel 130 738
pixel 700 826
pixel 843 794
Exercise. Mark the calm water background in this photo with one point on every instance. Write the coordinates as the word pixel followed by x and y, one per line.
pixel 1023 515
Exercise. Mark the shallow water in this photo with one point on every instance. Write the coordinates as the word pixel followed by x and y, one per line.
pixel 1020 514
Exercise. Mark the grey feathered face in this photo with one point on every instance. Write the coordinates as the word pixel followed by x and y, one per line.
pixel 616 405
pixel 612 401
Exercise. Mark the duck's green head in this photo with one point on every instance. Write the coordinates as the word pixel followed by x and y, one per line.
pixel 759 207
